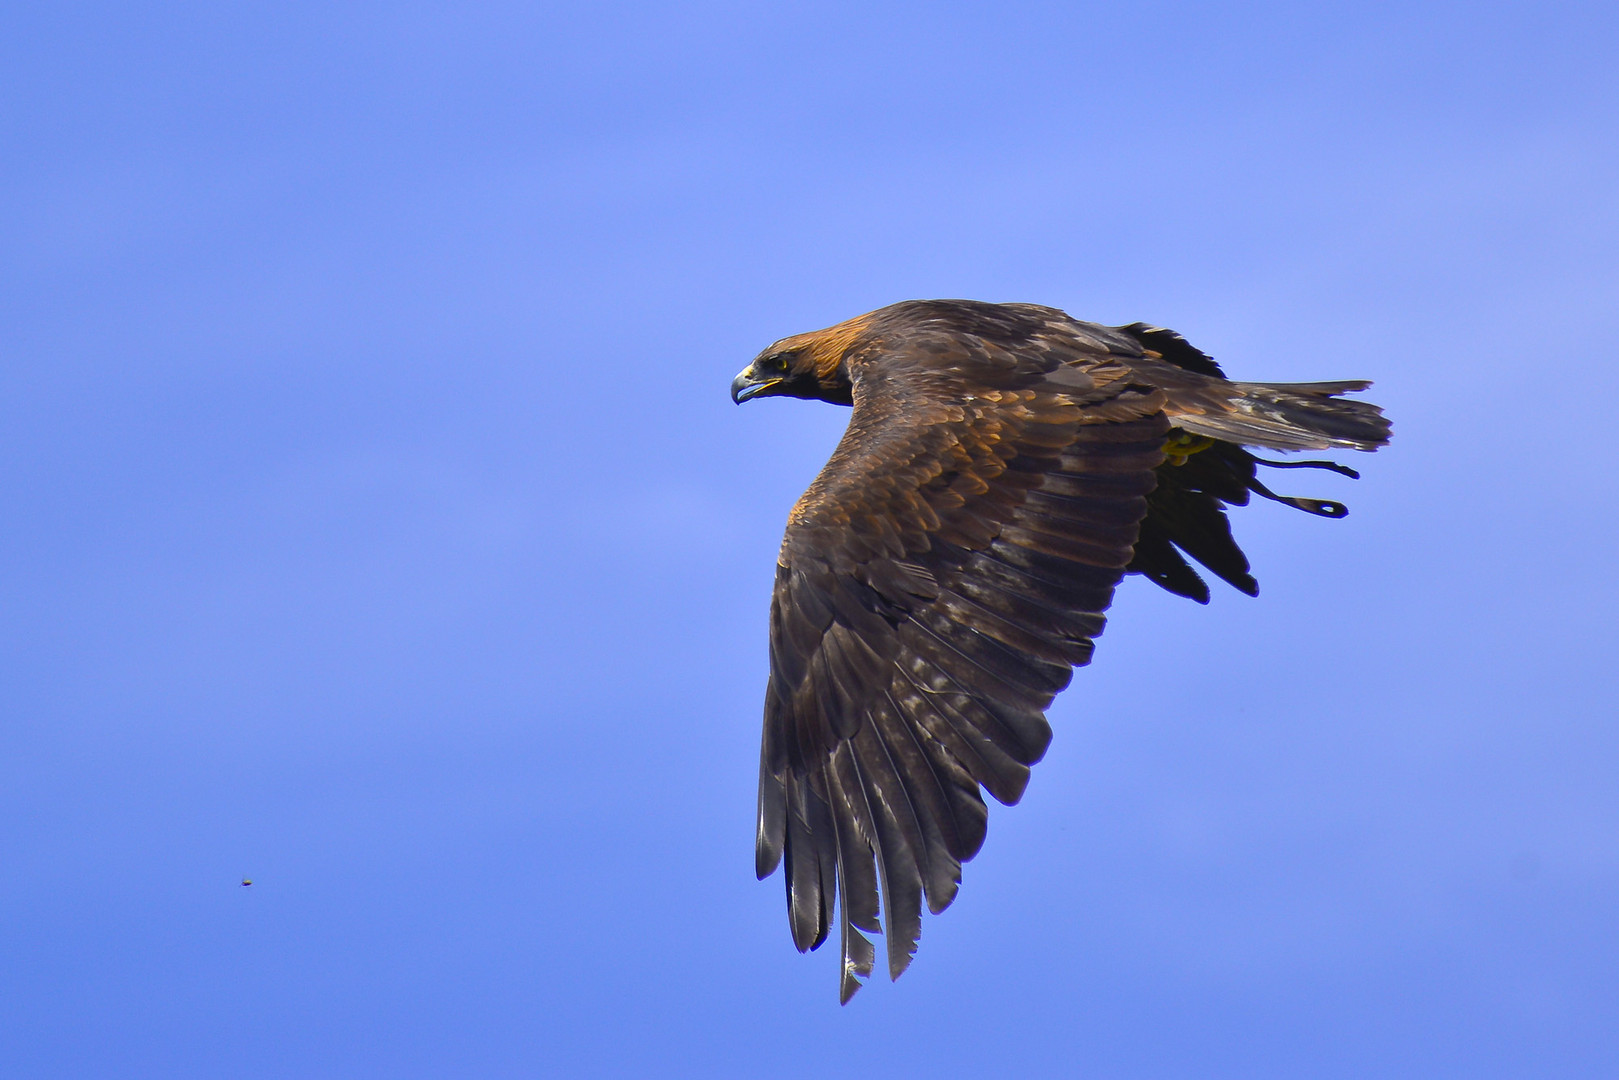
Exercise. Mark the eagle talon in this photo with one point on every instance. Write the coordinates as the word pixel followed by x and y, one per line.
pixel 1183 444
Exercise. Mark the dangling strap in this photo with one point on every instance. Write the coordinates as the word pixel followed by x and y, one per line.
pixel 1319 507
pixel 1341 470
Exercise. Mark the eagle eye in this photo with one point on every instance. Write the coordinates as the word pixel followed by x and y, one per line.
pixel 775 362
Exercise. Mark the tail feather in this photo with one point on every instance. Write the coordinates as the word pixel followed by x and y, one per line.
pixel 1285 416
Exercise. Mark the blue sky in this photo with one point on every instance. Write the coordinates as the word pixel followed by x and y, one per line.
pixel 377 526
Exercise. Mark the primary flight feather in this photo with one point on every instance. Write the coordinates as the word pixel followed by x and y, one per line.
pixel 1004 466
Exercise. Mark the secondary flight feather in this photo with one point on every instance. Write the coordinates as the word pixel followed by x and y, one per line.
pixel 1004 466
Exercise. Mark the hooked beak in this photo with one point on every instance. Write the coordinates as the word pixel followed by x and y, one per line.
pixel 748 385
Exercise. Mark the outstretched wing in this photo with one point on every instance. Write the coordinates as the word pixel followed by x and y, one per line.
pixel 937 585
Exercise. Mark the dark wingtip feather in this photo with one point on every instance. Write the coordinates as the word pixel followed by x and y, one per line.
pixel 1174 348
pixel 772 824
pixel 941 893
pixel 809 878
pixel 1157 560
pixel 859 958
pixel 857 890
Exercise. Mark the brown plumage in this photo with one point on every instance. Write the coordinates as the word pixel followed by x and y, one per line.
pixel 1004 466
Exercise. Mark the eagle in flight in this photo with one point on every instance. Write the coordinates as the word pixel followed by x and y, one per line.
pixel 1004 466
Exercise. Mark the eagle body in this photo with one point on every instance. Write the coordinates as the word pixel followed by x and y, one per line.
pixel 1004 466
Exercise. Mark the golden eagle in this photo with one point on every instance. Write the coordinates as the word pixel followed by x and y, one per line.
pixel 1004 466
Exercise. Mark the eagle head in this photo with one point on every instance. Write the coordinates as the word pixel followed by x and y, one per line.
pixel 812 365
